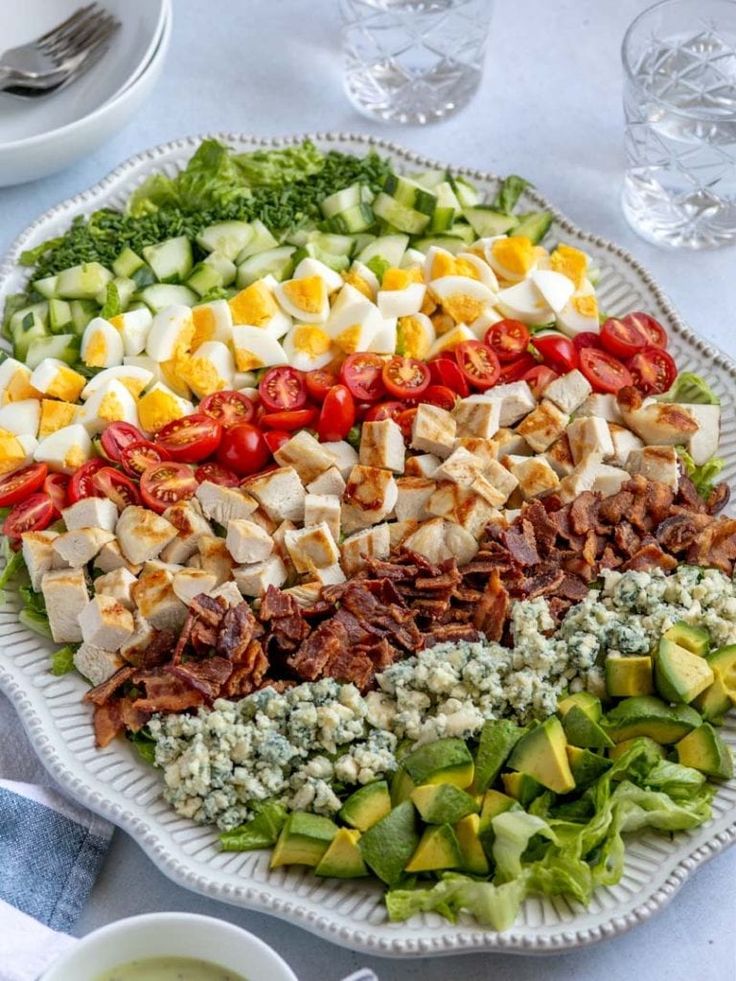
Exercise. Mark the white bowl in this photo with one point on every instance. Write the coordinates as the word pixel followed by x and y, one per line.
pixel 170 935
pixel 48 150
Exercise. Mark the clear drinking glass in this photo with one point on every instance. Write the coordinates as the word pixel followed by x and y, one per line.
pixel 413 61
pixel 679 62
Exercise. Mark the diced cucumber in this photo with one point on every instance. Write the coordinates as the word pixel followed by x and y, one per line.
pixel 356 219
pixel 429 178
pixel 349 210
pixel 447 208
pixel 46 287
pixel 342 200
pixel 26 325
pixel 261 241
pixel 461 229
pixel 467 195
pixel 143 276
pixel 60 316
pixel 12 304
pixel 412 195
pixel 361 241
pixel 216 271
pixel 450 243
pixel 228 238
pixel 126 288
pixel 171 260
pixel 399 215
pixel 388 247
pixel 127 263
pixel 331 259
pixel 82 312
pixel 486 222
pixel 337 244
pixel 298 237
pixel 65 347
pixel 82 282
pixel 279 263
pixel 162 295
pixel 534 225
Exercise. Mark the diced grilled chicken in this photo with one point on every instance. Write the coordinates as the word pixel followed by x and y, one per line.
pixel 543 425
pixel 254 580
pixel 413 494
pixel 65 594
pixel 96 664
pixel 661 423
pixel 188 583
pixel 382 445
pixel 118 585
pixel 76 548
pixel 329 482
pixel 422 465
pixel 323 507
pixel 623 442
pixel 224 504
pixel 370 496
pixel 433 430
pixel 308 457
pixel 516 398
pixel 589 435
pixel 157 601
pixel 502 479
pixel 602 405
pixel 190 524
pixel 461 467
pixel 111 557
pixel 312 548
pixel 534 474
pixel 474 417
pixel 214 557
pixel 656 463
pixel 91 512
pixel 568 392
pixel 39 555
pixel 559 456
pixel 105 623
pixel 704 444
pixel 247 542
pixel 372 542
pixel 143 534
pixel 344 456
pixel 508 442
pixel 280 493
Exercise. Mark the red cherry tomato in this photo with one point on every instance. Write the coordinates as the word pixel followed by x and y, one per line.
pixel 243 449
pixel 228 408
pixel 406 422
pixel 385 410
pixel 405 378
pixel 319 382
pixel 362 409
pixel 622 338
pixel 515 370
pixel 478 363
pixel 113 484
pixel 275 439
pixel 191 438
pixel 652 370
pixel 604 372
pixel 15 487
pixel 439 395
pixel 508 339
pixel 295 419
pixel 34 514
pixel 216 475
pixel 557 351
pixel 445 371
pixel 654 331
pixel 163 484
pixel 587 338
pixel 538 378
pixel 337 417
pixel 282 388
pixel 116 436
pixel 80 484
pixel 141 454
pixel 362 375
pixel 56 485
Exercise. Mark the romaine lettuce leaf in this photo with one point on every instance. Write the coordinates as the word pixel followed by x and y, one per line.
pixel 62 661
pixel 273 168
pixel 691 388
pixel 491 905
pixel 513 830
pixel 704 476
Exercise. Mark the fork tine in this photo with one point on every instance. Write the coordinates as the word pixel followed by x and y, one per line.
pixel 96 27
pixel 61 42
pixel 69 23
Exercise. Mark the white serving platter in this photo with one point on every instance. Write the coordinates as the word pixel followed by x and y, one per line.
pixel 117 784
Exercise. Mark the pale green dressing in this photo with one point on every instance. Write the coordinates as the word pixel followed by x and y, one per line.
pixel 170 969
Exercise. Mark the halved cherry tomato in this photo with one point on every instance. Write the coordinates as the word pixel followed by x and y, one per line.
pixel 405 378
pixel 384 410
pixel 652 370
pixel 275 439
pixel 557 351
pixel 622 338
pixel 654 331
pixel 113 484
pixel 116 436
pixel 337 417
pixel 216 474
pixel 291 420
pixel 228 407
pixel 34 514
pixel 478 363
pixel 361 410
pixel 15 487
pixel 319 382
pixel 406 422
pixel 362 375
pixel 163 484
pixel 80 484
pixel 445 371
pixel 141 454
pixel 539 378
pixel 243 449
pixel 191 438
pixel 515 370
pixel 439 395
pixel 604 372
pixel 587 338
pixel 55 486
pixel 282 388
pixel 508 338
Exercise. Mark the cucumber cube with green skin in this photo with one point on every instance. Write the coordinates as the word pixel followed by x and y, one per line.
pixel 704 750
pixel 127 263
pixel 60 316
pixel 171 260
pixel 442 803
pixel 278 263
pixel 473 858
pixel 438 849
pixel 161 295
pixel 367 805
pixel 407 192
pixel 620 748
pixel 82 312
pixel 541 754
pixel 443 761
pixel 679 674
pixel 486 222
pixel 583 700
pixel 261 241
pixel 626 676
pixel 521 786
pixel 343 860
pixel 304 839
pixel 82 282
pixel 716 700
pixel 228 238
pixel 693 639
pixel 388 247
pixel 646 715
pixel 497 738
pixel 390 843
pixel 46 287
pixel 534 225
pixel 586 766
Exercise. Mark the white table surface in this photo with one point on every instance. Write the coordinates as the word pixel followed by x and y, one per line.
pixel 549 109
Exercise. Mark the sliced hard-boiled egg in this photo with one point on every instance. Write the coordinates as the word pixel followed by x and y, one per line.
pixel 212 322
pixel 66 449
pixel 412 258
pixel 579 314
pixel 15 382
pixel 133 326
pixel 487 319
pixel 308 346
pixel 15 450
pixel 171 333
pixel 354 321
pixel 159 406
pixel 401 302
pixel 164 371
pixel 524 302
pixel 415 336
pixel 363 279
pixel 469 264
pixel 245 379
pixel 210 369
pixel 102 344
pixel 571 262
pixel 450 340
pixel 400 278
pixel 55 415
pixel 462 298
pixel 313 267
pixel 305 299
pixel 21 417
pixel 56 379
pixel 134 378
pixel 256 348
pixel 385 339
pixel 512 257
pixel 256 306
pixel 554 288
pixel 111 402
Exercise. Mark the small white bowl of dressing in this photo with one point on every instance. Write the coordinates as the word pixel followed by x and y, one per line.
pixel 170 947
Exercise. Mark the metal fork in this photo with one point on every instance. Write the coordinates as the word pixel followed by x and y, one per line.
pixel 59 56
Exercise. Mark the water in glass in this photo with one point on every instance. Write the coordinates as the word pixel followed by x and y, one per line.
pixel 413 61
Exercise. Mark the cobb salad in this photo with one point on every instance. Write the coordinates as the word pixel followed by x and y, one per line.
pixel 369 528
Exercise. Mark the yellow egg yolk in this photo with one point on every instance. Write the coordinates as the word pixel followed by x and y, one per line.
pixel 428 304
pixel 110 408
pixel 413 341
pixel 201 376
pixel 171 376
pixel 355 280
pixel 570 262
pixel 586 305
pixel 399 279
pixel 308 294
pixel 96 351
pixel 19 387
pixel 462 308
pixel 247 360
pixel 11 452
pixel 311 340
pixel 66 385
pixel 448 265
pixel 55 415
pixel 157 408
pixel 515 253
pixel 74 457
pixel 442 322
pixel 204 325
pixel 254 305
pixel 349 339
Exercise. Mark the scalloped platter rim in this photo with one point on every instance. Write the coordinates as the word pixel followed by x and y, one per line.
pixel 118 785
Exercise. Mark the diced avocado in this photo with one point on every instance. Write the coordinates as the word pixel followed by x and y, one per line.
pixel 438 849
pixel 583 700
pixel 693 639
pixel 716 700
pixel 680 675
pixel 522 787
pixel 304 839
pixel 443 761
pixel 646 715
pixel 472 856
pixel 366 805
pixel 704 750
pixel 626 676
pixel 494 803
pixel 586 766
pixel 580 730
pixel 390 843
pixel 725 660
pixel 497 739
pixel 620 748
pixel 402 786
pixel 534 225
pixel 442 803
pixel 541 754
pixel 343 860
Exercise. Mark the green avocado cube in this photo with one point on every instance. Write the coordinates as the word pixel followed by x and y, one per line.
pixel 366 806
pixel 693 639
pixel 438 849
pixel 442 803
pixel 646 715
pixel 443 761
pixel 626 676
pixel 704 750
pixel 497 739
pixel 541 754
pixel 680 675
pixel 304 839
pixel 586 767
pixel 390 843
pixel 343 859
pixel 472 854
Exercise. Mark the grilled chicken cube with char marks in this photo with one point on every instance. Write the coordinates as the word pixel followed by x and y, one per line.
pixel 65 594
pixel 188 583
pixel 156 599
pixel 214 557
pixel 508 442
pixel 39 555
pixel 486 450
pixel 433 430
pixel 568 392
pixel 323 507
pixel 105 623
pixel 461 467
pixel 463 507
pixel 516 399
pixel 253 580
pixel 77 548
pixel 656 463
pixel 143 534
pixel 370 496
pixel 329 482
pixel 623 442
pixel 422 465
pixel 224 504
pixel 501 478
pixel 543 425
pixel 589 435
pixel 308 457
pixel 658 423
pixel 438 540
pixel 91 512
pixel 476 416
pixel 118 585
pixel 344 456
pixel 312 548
pixel 372 542
pixel 247 542
pixel 280 493
pixel 413 494
pixel 382 445
pixel 97 664
pixel 534 474
pixel 190 524
pixel 110 557
pixel 603 405
pixel 592 474
pixel 330 575
pixel 227 591
pixel 559 456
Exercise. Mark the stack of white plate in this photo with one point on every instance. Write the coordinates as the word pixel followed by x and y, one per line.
pixel 43 135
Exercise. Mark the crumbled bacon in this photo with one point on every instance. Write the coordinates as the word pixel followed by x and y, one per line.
pixel 101 694
pixel 206 676
pixel 491 610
